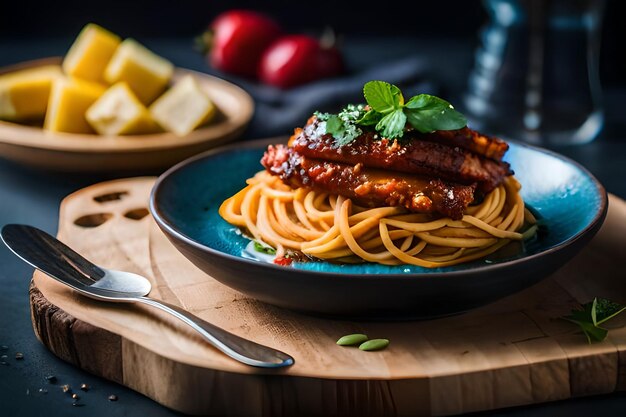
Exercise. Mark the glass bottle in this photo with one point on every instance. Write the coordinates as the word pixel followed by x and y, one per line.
pixel 535 76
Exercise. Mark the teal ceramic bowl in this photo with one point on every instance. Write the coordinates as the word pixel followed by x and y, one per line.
pixel 185 200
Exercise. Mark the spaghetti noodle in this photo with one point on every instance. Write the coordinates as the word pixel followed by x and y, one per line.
pixel 331 227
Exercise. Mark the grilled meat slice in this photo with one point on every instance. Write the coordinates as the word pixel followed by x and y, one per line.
pixel 466 138
pixel 420 157
pixel 369 187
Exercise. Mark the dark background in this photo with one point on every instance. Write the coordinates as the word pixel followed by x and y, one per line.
pixel 171 18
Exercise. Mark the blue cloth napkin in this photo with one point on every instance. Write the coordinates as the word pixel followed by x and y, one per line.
pixel 278 112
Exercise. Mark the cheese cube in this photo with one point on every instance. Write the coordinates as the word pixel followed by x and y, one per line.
pixel 146 73
pixel 69 100
pixel 183 107
pixel 90 53
pixel 24 94
pixel 119 112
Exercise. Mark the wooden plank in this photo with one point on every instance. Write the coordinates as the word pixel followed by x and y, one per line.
pixel 515 351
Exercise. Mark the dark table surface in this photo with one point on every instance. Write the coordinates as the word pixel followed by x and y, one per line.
pixel 33 197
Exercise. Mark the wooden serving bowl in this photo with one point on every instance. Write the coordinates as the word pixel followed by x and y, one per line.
pixel 69 152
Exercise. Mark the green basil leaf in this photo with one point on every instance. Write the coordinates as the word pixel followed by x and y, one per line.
pixel 422 101
pixel 370 118
pixel 428 113
pixel 392 125
pixel 398 98
pixel 383 97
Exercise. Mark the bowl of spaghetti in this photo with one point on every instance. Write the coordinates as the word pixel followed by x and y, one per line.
pixel 425 224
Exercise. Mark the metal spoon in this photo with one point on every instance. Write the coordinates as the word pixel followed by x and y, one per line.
pixel 52 257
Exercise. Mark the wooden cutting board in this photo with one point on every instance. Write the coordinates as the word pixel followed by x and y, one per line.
pixel 512 352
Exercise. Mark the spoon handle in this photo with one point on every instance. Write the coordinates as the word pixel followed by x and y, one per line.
pixel 238 348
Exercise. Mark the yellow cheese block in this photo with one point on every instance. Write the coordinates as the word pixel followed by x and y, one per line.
pixel 146 73
pixel 183 107
pixel 24 94
pixel 69 100
pixel 119 112
pixel 90 53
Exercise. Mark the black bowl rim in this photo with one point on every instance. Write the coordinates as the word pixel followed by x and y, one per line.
pixel 170 229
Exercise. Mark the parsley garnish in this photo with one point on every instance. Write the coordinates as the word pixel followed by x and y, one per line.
pixel 389 114
pixel 263 248
pixel 343 125
pixel 592 315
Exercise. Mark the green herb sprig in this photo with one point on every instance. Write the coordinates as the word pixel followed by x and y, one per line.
pixel 263 248
pixel 389 113
pixel 592 315
pixel 343 125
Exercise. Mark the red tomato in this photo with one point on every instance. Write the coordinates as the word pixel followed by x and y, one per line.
pixel 237 39
pixel 283 261
pixel 298 59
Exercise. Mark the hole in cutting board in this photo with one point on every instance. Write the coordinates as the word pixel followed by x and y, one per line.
pixel 137 214
pixel 92 220
pixel 115 195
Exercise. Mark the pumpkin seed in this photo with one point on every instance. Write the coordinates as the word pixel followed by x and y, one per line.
pixel 374 344
pixel 352 339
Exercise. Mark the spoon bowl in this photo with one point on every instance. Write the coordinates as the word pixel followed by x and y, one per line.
pixel 119 286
